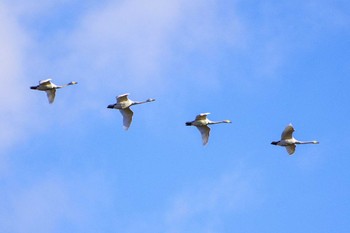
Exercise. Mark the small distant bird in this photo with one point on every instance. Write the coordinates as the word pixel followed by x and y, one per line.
pixel 288 141
pixel 50 88
pixel 202 122
pixel 123 105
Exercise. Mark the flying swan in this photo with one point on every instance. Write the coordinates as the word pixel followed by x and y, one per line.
pixel 288 141
pixel 50 88
pixel 123 105
pixel 202 122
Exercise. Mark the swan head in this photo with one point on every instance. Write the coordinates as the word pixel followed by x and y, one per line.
pixel 73 83
pixel 315 142
pixel 274 143
pixel 111 106
pixel 150 100
pixel 227 121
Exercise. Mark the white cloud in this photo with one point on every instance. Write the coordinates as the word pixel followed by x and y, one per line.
pixel 128 37
pixel 134 42
pixel 55 202
pixel 40 208
pixel 230 193
pixel 13 89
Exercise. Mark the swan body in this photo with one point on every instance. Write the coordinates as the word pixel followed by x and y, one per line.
pixel 202 122
pixel 289 142
pixel 123 105
pixel 50 88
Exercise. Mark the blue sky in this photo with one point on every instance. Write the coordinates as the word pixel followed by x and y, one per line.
pixel 70 166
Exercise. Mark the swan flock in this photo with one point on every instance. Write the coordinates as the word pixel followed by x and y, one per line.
pixel 201 122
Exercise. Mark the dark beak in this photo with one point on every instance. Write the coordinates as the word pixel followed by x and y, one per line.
pixel 110 106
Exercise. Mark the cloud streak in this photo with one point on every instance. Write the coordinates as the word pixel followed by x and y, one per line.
pixel 139 40
pixel 55 203
pixel 228 194
pixel 13 96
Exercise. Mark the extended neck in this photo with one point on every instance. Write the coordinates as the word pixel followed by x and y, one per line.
pixel 142 102
pixel 306 142
pixel 68 84
pixel 218 122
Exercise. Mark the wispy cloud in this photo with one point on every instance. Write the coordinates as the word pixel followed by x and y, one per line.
pixel 230 193
pixel 137 41
pixel 55 203
pixel 39 208
pixel 13 88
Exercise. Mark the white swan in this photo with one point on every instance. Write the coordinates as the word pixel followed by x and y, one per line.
pixel 50 88
pixel 123 105
pixel 202 122
pixel 288 141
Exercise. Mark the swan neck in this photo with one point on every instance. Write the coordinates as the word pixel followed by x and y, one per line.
pixel 138 102
pixel 142 102
pixel 68 84
pixel 58 87
pixel 219 122
pixel 306 142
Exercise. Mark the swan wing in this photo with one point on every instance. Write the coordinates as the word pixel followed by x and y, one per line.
pixel 287 132
pixel 51 95
pixel 204 130
pixel 202 116
pixel 45 82
pixel 123 97
pixel 290 149
pixel 127 117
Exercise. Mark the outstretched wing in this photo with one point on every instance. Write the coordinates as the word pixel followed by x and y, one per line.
pixel 121 98
pixel 202 116
pixel 287 132
pixel 127 117
pixel 204 130
pixel 51 95
pixel 290 149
